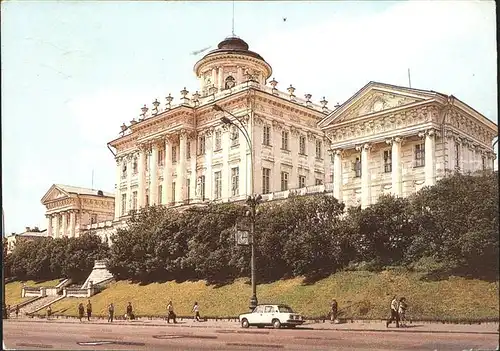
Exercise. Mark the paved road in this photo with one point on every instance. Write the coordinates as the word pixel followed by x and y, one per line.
pixel 90 336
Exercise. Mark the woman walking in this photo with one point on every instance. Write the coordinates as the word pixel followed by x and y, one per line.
pixel 196 310
pixel 402 311
pixel 81 311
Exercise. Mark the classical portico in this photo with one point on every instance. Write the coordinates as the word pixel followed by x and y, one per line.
pixel 70 208
pixel 395 140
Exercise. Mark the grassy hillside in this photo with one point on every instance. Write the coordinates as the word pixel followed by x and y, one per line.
pixel 13 290
pixel 362 295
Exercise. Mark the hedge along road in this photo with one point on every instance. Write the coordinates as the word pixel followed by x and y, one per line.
pixel 89 336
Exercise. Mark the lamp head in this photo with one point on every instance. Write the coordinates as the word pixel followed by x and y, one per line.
pixel 225 120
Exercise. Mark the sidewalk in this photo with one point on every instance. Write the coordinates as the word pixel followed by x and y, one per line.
pixel 372 326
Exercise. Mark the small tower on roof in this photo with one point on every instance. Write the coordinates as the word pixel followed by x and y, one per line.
pixel 229 65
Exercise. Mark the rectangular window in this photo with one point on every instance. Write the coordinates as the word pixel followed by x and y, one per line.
pixel 483 159
pixel 457 155
pixel 135 166
pixel 93 219
pixel 387 161
pixel 302 145
pixel 266 176
pixel 160 190
pixel 218 140
pixel 235 181
pixel 266 138
pixel 188 185
pixel 201 145
pixel 419 155
pixel 188 150
pixel 302 181
pixel 331 177
pixel 202 184
pixel 357 168
pixel 284 181
pixel 134 200
pixel 173 192
pixel 319 149
pixel 174 154
pixel 284 140
pixel 161 157
pixel 235 136
pixel 147 199
pixel 319 181
pixel 218 185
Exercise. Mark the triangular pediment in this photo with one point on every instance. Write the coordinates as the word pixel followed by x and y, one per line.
pixel 375 97
pixel 54 193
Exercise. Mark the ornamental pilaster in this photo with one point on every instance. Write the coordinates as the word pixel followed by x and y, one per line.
pixel 337 174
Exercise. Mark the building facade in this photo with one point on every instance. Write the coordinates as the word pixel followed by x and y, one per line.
pixel 384 139
pixel 394 140
pixel 72 210
pixel 29 234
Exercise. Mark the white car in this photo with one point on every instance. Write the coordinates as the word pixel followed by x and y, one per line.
pixel 272 315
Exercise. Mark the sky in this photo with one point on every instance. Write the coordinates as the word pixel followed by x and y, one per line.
pixel 73 72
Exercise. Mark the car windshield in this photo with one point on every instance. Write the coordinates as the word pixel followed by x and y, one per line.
pixel 285 309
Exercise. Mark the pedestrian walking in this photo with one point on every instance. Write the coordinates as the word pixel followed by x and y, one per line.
pixel 81 311
pixel 402 311
pixel 394 313
pixel 196 310
pixel 130 314
pixel 111 313
pixel 171 313
pixel 17 311
pixel 89 310
pixel 334 311
pixel 49 312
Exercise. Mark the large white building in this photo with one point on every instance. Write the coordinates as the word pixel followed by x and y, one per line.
pixel 384 139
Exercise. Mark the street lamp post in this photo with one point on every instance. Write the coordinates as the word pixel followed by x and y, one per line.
pixel 252 200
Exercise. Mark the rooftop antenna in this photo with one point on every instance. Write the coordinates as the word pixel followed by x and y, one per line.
pixel 409 78
pixel 233 20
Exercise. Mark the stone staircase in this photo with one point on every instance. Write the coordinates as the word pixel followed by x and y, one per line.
pixel 99 274
pixel 36 305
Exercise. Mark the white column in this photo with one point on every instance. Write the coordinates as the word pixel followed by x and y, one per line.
pixel 72 224
pixel 49 225
pixel 244 169
pixel 141 194
pixel 118 178
pixel 64 224
pixel 220 79
pixel 239 76
pixel 180 181
pixel 208 164
pixel 397 181
pixel 430 161
pixel 337 175
pixel 153 176
pixel 56 226
pixel 167 173
pixel 129 160
pixel 194 174
pixel 214 77
pixel 365 176
pixel 225 143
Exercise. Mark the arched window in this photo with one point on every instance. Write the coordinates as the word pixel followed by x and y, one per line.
pixel 230 83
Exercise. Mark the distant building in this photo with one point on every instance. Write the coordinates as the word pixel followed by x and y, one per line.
pixel 30 234
pixel 70 209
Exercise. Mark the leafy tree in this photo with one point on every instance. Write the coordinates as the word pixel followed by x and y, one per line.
pixel 383 231
pixel 458 223
pixel 81 252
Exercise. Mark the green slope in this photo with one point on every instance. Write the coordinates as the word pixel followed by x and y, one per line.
pixel 363 295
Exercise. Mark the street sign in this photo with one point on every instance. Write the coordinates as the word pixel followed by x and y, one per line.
pixel 242 237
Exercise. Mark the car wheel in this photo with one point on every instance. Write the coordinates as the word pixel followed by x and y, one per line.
pixel 276 324
pixel 244 323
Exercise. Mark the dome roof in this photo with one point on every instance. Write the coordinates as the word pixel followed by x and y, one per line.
pixel 234 45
